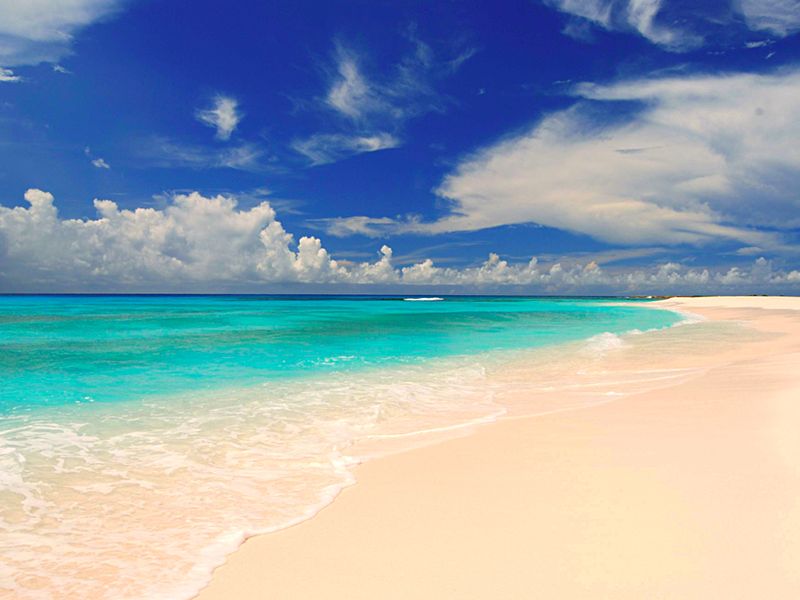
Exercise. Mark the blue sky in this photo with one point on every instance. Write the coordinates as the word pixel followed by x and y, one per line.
pixel 556 146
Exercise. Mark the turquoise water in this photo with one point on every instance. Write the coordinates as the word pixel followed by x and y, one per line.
pixel 143 438
pixel 58 350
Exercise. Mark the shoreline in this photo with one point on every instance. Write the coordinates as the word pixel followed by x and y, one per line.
pixel 182 479
pixel 453 490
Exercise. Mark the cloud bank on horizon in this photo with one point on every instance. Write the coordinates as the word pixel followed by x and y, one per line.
pixel 197 241
pixel 572 130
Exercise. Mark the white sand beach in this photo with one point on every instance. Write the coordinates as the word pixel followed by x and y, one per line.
pixel 687 491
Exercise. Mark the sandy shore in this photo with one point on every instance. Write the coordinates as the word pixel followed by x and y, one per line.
pixel 691 491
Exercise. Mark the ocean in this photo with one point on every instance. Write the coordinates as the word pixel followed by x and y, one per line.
pixel 143 438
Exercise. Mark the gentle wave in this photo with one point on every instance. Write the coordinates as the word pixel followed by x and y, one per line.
pixel 431 299
pixel 603 342
pixel 88 489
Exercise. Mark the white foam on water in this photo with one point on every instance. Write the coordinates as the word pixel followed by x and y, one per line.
pixel 604 342
pixel 431 299
pixel 690 319
pixel 145 499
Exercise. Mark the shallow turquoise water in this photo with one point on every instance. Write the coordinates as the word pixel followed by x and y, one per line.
pixel 142 438
pixel 57 350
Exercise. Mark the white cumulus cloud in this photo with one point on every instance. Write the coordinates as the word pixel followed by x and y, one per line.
pixel 578 278
pixel 100 163
pixel 197 242
pixel 223 115
pixel 193 239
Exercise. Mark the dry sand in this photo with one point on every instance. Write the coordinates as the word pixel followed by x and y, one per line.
pixel 692 491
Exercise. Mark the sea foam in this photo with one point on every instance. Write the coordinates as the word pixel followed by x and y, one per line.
pixel 179 482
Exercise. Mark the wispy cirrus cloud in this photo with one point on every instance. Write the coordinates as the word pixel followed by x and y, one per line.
pixel 165 152
pixel 373 227
pixel 323 148
pixel 350 94
pixel 636 16
pixel 372 106
pixel 405 90
pixel 778 17
pixel 679 27
pixel 223 115
pixel 35 31
pixel 698 160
